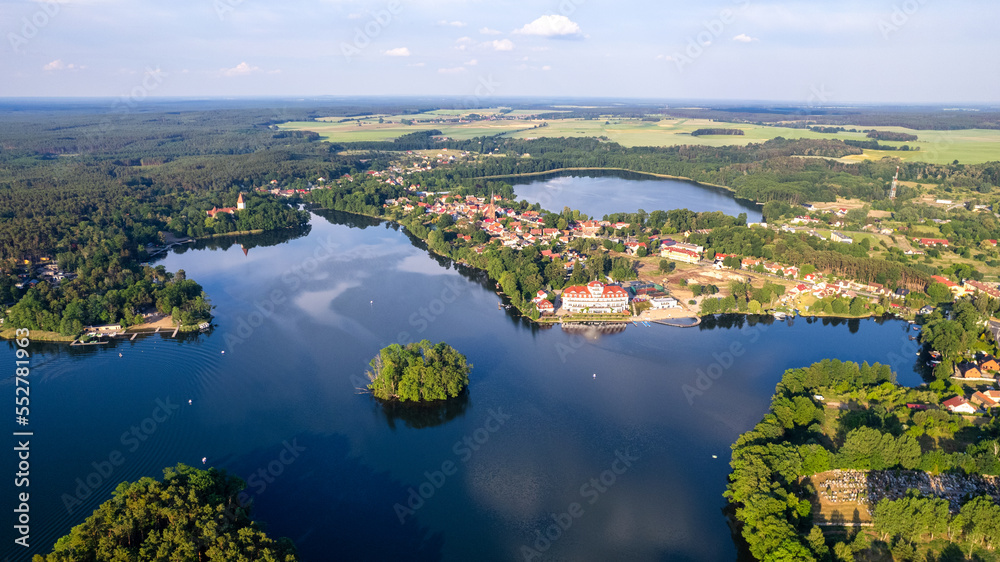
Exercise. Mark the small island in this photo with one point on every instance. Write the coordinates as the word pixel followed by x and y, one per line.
pixel 419 372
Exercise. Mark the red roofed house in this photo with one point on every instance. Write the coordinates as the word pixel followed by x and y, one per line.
pixel 984 400
pixel 595 297
pixel 959 405
pixel 680 254
pixel 931 241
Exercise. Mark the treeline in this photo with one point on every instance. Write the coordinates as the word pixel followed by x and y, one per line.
pixel 891 136
pixel 771 498
pixel 191 515
pixel 701 132
pixel 910 118
pixel 874 145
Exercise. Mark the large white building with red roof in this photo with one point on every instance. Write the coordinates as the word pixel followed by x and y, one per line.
pixel 595 297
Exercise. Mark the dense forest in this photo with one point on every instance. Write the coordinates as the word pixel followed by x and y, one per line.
pixel 796 440
pixel 418 372
pixel 191 515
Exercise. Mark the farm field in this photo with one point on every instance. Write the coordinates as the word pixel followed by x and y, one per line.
pixel 937 147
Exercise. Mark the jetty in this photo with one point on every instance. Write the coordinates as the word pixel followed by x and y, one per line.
pixel 177 329
pixel 697 322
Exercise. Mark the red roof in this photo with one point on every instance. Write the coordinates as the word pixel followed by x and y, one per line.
pixel 955 402
pixel 943 280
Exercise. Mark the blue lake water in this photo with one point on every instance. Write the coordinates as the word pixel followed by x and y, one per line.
pixel 298 320
pixel 600 193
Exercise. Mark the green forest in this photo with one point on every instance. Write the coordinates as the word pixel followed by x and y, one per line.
pixel 799 438
pixel 191 514
pixel 419 372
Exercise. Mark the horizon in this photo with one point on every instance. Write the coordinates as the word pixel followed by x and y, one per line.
pixel 898 52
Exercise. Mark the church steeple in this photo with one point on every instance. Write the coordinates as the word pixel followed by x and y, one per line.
pixel 240 205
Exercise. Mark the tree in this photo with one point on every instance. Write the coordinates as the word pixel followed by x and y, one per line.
pixel 939 293
pixel 192 515
pixel 419 372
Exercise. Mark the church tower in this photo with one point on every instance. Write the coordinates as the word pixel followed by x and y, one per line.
pixel 240 205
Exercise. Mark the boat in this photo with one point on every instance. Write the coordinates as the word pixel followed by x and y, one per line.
pixel 204 326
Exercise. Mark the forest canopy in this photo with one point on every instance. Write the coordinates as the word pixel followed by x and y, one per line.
pixel 419 372
pixel 191 515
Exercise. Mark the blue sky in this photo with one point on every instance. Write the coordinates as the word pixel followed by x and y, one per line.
pixel 822 52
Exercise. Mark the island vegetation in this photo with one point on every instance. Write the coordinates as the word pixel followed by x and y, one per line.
pixel 419 372
pixel 191 514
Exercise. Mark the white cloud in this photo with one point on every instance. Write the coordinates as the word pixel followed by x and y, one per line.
pixel 500 45
pixel 452 23
pixel 398 52
pixel 463 43
pixel 472 62
pixel 665 57
pixel 58 64
pixel 744 38
pixel 551 26
pixel 488 31
pixel 417 64
pixel 546 67
pixel 241 69
pixel 456 70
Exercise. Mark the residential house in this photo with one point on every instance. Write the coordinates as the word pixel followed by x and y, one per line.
pixel 959 405
pixel 989 364
pixel 983 400
pixel 969 370
pixel 839 237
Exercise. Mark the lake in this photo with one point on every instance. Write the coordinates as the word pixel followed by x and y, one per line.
pixel 597 193
pixel 632 461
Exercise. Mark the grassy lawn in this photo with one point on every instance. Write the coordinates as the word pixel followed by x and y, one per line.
pixel 939 147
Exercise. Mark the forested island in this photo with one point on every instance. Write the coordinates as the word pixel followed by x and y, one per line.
pixel 419 372
pixel 191 514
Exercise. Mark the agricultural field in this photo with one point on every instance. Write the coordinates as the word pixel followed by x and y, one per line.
pixel 938 147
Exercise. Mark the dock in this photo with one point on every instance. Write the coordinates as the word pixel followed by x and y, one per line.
pixel 697 322
pixel 177 329
pixel 133 336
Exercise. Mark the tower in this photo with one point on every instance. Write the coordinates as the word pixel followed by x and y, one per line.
pixel 240 205
pixel 895 184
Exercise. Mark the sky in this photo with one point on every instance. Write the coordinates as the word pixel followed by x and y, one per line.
pixel 815 52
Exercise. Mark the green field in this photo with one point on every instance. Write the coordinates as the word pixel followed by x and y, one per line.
pixel 938 147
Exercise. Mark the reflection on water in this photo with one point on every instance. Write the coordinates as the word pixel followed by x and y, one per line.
pixel 293 376
pixel 418 416
pixel 600 193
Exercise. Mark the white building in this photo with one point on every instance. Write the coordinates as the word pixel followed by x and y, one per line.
pixel 595 297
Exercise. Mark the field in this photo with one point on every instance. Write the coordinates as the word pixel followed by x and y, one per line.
pixel 938 147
